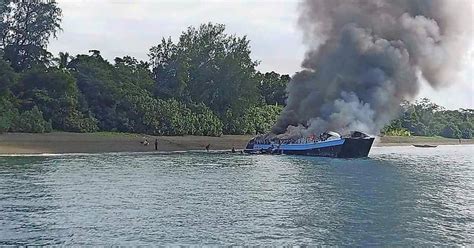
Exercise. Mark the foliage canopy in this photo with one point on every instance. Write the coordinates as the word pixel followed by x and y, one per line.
pixel 206 83
pixel 26 29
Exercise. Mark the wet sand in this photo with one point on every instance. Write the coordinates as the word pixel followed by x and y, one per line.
pixel 408 141
pixel 61 142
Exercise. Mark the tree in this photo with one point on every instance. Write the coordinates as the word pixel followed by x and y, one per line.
pixel 55 93
pixel 28 26
pixel 8 113
pixel 62 61
pixel 428 119
pixel 7 77
pixel 3 6
pixel 451 131
pixel 94 77
pixel 134 72
pixel 273 87
pixel 467 130
pixel 117 94
pixel 31 121
pixel 177 118
pixel 254 120
pixel 206 66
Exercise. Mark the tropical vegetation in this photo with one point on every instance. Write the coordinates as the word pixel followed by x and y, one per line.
pixel 424 118
pixel 205 83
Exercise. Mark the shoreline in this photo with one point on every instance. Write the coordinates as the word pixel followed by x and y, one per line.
pixel 93 143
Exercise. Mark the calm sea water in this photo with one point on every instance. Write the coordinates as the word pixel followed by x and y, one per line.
pixel 399 196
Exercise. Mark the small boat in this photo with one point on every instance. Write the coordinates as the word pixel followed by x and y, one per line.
pixel 329 144
pixel 425 146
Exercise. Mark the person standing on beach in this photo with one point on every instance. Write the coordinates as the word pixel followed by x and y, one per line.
pixel 156 144
pixel 208 147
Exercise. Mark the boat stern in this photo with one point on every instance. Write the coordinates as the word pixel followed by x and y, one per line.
pixel 358 145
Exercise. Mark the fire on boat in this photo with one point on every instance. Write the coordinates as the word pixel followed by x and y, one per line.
pixel 328 144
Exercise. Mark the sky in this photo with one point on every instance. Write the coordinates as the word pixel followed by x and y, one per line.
pixel 131 27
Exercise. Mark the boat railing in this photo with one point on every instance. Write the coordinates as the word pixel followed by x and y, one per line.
pixel 293 141
pixel 326 136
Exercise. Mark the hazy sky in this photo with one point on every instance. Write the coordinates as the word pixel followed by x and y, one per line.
pixel 130 27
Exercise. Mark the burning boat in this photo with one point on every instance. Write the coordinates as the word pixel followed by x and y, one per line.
pixel 328 144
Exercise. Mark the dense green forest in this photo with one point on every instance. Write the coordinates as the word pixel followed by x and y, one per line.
pixel 204 84
pixel 424 118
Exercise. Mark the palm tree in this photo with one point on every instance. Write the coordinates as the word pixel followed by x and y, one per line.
pixel 63 60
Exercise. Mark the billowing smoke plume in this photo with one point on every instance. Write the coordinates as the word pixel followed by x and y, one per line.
pixel 367 56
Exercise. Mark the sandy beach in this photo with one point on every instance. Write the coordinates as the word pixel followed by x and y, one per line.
pixel 61 142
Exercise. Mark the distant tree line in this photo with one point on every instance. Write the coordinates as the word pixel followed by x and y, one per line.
pixel 424 118
pixel 204 84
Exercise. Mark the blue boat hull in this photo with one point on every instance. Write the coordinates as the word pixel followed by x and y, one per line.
pixel 341 148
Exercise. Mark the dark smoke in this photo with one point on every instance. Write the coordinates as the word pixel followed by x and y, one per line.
pixel 367 56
